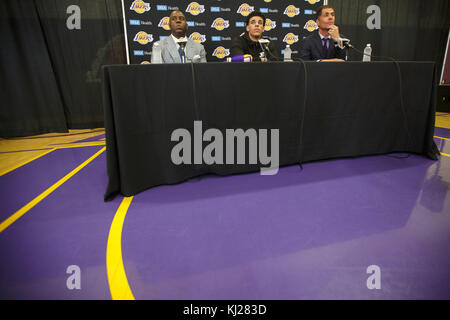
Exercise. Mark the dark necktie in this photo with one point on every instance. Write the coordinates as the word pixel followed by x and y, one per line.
pixel 325 47
pixel 180 51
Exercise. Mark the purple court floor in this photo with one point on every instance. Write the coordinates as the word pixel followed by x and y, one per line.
pixel 316 233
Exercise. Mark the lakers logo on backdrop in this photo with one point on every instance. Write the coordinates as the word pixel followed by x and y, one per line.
pixel 195 8
pixel 245 9
pixel 140 6
pixel 290 38
pixel 143 37
pixel 221 52
pixel 164 23
pixel 197 37
pixel 270 25
pixel 220 24
pixel 313 1
pixel 291 11
pixel 311 26
pixel 267 0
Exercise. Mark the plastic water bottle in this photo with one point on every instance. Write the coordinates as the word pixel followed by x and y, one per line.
pixel 367 53
pixel 156 53
pixel 287 53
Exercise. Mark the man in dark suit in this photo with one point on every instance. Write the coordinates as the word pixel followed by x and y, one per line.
pixel 325 44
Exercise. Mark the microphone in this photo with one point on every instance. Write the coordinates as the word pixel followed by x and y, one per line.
pixel 265 46
pixel 196 58
pixel 241 58
pixel 346 42
pixel 182 45
pixel 264 43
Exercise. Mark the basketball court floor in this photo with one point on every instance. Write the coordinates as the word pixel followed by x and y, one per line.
pixel 374 227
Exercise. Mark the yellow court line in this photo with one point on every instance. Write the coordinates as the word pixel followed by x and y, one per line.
pixel 444 154
pixel 25 162
pixel 81 144
pixel 86 144
pixel 117 278
pixel 5 224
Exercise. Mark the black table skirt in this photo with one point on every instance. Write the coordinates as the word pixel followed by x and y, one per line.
pixel 329 110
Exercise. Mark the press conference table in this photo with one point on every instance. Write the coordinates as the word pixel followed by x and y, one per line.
pixel 335 110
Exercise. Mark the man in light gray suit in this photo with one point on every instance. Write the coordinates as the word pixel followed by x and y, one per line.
pixel 177 48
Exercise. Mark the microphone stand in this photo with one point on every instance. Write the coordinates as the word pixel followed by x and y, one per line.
pixel 347 47
pixel 263 50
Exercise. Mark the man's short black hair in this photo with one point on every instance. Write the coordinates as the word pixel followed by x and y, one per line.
pixel 255 14
pixel 319 10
